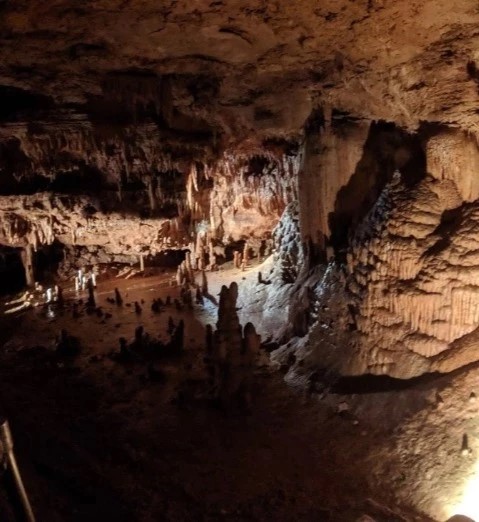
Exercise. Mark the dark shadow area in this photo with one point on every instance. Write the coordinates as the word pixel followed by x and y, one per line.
pixel 167 258
pixel 379 383
pixel 451 221
pixel 363 384
pixel 22 105
pixel 12 273
pixel 75 182
pixel 387 149
pixel 232 247
pixel 47 261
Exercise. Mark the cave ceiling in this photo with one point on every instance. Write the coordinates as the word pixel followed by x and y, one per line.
pixel 216 73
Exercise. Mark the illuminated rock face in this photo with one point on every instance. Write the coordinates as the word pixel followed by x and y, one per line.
pixel 231 199
pixel 129 128
pixel 247 201
pixel 409 270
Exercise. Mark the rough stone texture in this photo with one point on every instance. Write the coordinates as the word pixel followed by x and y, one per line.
pixel 43 218
pixel 228 199
pixel 329 160
pixel 411 300
pixel 247 199
pixel 185 120
pixel 262 63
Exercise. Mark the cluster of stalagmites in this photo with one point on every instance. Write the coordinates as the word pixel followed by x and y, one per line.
pixel 232 352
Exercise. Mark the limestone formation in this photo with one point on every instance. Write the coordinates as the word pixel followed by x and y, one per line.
pixel 177 338
pixel 232 355
pixel 91 294
pixel 118 298
pixel 204 283
pixel 410 302
pixel 199 297
pixel 246 250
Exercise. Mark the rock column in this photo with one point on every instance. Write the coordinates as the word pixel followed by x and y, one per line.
pixel 27 260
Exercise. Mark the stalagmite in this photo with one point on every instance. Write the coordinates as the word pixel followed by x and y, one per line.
pixel 91 293
pixel 27 260
pixel 171 325
pixel 204 283
pixel 189 268
pixel 227 348
pixel 246 254
pixel 179 276
pixel 48 295
pixel 236 262
pixel 201 258
pixel 213 265
pixel 142 263
pixel 178 338
pixel 138 342
pixel 59 295
pixel 209 339
pixel 252 343
pixel 118 298
pixel 211 256
pixel 193 259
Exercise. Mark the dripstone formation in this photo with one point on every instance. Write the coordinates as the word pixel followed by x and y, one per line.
pixel 233 352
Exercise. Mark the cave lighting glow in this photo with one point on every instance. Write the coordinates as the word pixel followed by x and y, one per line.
pixel 469 502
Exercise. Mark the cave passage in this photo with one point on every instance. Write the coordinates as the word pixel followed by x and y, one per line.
pixel 239 261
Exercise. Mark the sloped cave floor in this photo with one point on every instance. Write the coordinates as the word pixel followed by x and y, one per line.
pixel 99 439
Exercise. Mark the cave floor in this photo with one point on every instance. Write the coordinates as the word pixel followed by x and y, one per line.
pixel 99 440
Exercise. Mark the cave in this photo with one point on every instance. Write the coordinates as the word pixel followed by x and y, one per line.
pixel 239 261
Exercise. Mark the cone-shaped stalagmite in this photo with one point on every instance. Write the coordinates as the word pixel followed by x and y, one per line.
pixel 118 298
pixel 91 293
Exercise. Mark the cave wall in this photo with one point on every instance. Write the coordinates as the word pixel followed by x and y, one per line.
pixel 402 297
pixel 249 197
pixel 345 165
pixel 329 161
pixel 236 197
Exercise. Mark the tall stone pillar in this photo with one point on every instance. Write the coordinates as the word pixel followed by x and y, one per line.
pixel 27 260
